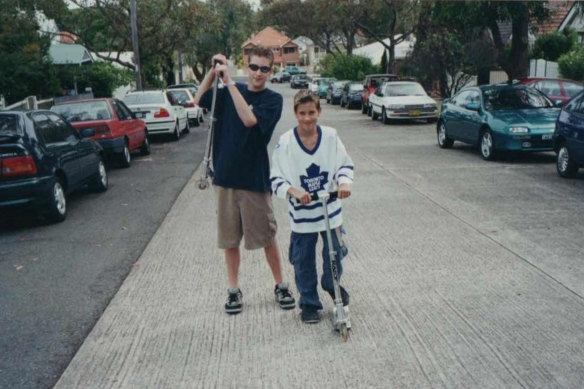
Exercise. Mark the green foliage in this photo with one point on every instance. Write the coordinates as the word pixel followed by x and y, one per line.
pixel 572 64
pixel 24 68
pixel 102 77
pixel 553 45
pixel 346 67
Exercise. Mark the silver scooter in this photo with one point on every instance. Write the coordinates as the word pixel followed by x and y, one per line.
pixel 340 318
pixel 203 182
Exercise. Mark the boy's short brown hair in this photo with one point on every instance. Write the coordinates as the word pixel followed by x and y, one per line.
pixel 261 51
pixel 305 96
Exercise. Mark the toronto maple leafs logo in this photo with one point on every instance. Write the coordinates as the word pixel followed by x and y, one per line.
pixel 314 180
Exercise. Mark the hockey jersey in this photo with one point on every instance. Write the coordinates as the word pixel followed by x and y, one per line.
pixel 323 168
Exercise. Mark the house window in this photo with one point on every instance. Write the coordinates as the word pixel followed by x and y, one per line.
pixel 581 37
pixel 289 50
pixel 316 50
pixel 247 51
pixel 276 49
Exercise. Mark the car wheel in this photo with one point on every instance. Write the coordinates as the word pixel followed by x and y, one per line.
pixel 443 140
pixel 487 145
pixel 126 156
pixel 145 149
pixel 363 109
pixel 374 115
pixel 57 211
pixel 101 181
pixel 369 110
pixel 328 100
pixel 176 134
pixel 384 117
pixel 565 165
pixel 187 128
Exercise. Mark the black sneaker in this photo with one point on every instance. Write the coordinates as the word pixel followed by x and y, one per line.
pixel 284 296
pixel 234 303
pixel 310 315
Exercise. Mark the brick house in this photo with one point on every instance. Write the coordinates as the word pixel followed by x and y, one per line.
pixel 285 49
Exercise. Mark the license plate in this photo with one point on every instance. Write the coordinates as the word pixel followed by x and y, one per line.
pixel 414 113
pixel 546 137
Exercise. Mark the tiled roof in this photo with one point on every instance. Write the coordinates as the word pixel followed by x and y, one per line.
pixel 269 37
pixel 559 9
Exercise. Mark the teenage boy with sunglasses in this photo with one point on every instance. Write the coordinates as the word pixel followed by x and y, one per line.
pixel 246 117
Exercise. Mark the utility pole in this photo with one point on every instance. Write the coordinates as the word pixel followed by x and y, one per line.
pixel 135 46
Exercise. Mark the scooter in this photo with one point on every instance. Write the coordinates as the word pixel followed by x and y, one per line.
pixel 340 318
pixel 203 182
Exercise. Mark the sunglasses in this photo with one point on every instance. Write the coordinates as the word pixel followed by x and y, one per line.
pixel 263 69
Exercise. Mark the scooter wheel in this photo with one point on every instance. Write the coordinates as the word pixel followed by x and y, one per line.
pixel 203 184
pixel 344 332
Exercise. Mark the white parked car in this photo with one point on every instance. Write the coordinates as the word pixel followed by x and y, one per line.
pixel 313 86
pixel 402 100
pixel 186 99
pixel 161 112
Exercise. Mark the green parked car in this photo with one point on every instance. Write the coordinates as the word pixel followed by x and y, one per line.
pixel 504 117
pixel 323 85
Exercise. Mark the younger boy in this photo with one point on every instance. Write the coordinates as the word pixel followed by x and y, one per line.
pixel 307 159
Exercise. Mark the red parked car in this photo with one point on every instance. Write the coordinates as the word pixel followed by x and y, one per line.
pixel 556 89
pixel 116 128
pixel 370 85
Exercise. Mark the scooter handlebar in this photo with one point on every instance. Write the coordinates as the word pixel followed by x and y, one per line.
pixel 314 196
pixel 215 63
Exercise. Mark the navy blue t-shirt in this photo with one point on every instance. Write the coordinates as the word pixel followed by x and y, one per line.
pixel 240 155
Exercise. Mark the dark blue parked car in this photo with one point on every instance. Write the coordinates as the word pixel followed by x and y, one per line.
pixel 569 137
pixel 43 158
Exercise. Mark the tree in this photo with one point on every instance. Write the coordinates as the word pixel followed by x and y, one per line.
pixel 198 29
pixel 387 19
pixel 346 67
pixel 24 65
pixel 571 64
pixel 327 22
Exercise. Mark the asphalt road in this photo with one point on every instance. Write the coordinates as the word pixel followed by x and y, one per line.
pixel 56 279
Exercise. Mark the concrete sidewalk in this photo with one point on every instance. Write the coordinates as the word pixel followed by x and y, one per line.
pixel 425 313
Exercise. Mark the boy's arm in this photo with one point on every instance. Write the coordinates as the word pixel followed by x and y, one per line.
pixel 281 187
pixel 279 183
pixel 344 173
pixel 241 106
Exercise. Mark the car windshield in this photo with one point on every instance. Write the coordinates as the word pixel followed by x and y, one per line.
pixel 404 90
pixel 338 84
pixel 8 125
pixel 572 89
pixel 514 98
pixel 356 87
pixel 83 111
pixel 379 80
pixel 182 96
pixel 143 98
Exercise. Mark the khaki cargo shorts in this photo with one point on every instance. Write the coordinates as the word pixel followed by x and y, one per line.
pixel 244 213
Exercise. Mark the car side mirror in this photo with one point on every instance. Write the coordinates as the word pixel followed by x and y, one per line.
pixel 87 132
pixel 378 93
pixel 472 106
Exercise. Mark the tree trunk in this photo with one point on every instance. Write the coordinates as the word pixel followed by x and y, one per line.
pixel 519 60
pixel 391 61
